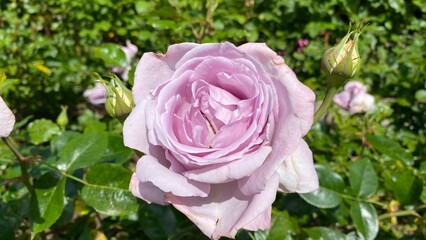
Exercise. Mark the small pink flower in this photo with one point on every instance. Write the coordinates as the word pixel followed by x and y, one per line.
pixel 96 95
pixel 130 51
pixel 301 44
pixel 354 98
pixel 222 130
pixel 7 119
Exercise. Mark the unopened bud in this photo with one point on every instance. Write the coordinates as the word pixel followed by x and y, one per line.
pixel 342 61
pixel 62 119
pixel 119 102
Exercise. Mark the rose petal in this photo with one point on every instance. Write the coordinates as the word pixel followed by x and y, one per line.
pixel 230 171
pixel 297 172
pixel 296 91
pixel 294 115
pixel 226 209
pixel 7 119
pixel 149 169
pixel 155 69
pixel 146 191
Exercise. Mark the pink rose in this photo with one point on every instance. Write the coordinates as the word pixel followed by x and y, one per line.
pixel 130 51
pixel 221 128
pixel 96 95
pixel 7 119
pixel 354 98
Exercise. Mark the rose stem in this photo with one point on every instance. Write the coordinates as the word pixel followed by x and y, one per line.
pixel 21 159
pixel 325 104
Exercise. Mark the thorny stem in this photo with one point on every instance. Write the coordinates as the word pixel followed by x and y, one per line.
pixel 325 104
pixel 22 163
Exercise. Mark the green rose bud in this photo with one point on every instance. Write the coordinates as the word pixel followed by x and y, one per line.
pixel 119 102
pixel 62 119
pixel 342 61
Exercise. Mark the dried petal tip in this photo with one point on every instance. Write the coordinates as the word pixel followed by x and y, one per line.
pixel 342 61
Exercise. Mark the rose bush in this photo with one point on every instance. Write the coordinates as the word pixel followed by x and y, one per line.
pixel 221 128
pixel 354 98
pixel 7 119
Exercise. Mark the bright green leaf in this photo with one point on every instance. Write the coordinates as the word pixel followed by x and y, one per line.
pixel 363 178
pixel 116 151
pixel 48 202
pixel 324 233
pixel 108 190
pixel 143 7
pixel 111 54
pixel 42 130
pixel 364 216
pixel 421 95
pixel 391 148
pixel 83 151
pixel 327 195
pixel 283 227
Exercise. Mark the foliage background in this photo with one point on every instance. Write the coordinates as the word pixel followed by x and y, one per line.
pixel 47 51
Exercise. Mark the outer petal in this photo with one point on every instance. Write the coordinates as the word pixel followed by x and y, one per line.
pixel 297 172
pixel 135 131
pixel 294 114
pixel 301 96
pixel 146 191
pixel 226 209
pixel 7 119
pixel 230 171
pixel 149 169
pixel 155 69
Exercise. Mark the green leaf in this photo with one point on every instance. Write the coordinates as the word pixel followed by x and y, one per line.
pixel 407 188
pixel 364 216
pixel 83 151
pixel 327 195
pixel 116 151
pixel 324 233
pixel 421 95
pixel 47 202
pixel 108 190
pixel 158 222
pixel 363 178
pixel 283 227
pixel 391 148
pixel 42 130
pixel 111 54
pixel 143 7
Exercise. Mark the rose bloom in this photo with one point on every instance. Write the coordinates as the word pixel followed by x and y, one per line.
pixel 7 119
pixel 354 98
pixel 130 51
pixel 221 128
pixel 96 95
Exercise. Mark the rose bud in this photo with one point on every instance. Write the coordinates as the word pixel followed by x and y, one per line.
pixel 342 61
pixel 62 119
pixel 119 102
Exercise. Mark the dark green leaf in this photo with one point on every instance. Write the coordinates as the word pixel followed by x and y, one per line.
pixel 108 190
pixel 42 130
pixel 83 151
pixel 111 54
pixel 391 148
pixel 327 195
pixel 158 221
pixel 363 178
pixel 364 216
pixel 48 202
pixel 324 233
pixel 407 188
